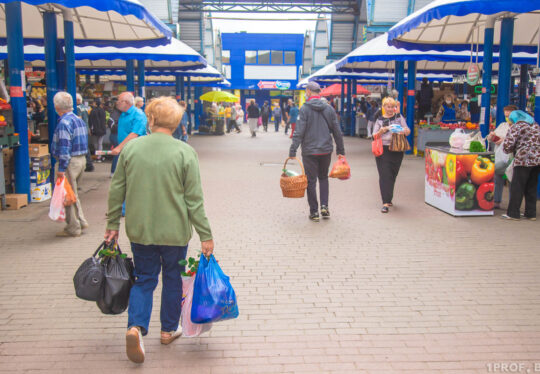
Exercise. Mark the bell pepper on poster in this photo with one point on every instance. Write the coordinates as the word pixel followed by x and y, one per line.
pixel 468 162
pixel 461 174
pixel 483 171
pixel 465 196
pixel 451 169
pixel 485 195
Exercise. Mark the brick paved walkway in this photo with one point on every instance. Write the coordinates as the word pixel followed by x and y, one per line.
pixel 413 291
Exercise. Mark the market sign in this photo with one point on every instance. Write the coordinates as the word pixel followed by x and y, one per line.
pixel 473 74
pixel 481 90
pixel 272 85
pixel 283 85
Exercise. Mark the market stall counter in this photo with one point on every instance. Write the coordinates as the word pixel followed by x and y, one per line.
pixel 459 182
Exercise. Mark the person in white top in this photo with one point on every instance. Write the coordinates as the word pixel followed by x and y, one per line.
pixel 497 137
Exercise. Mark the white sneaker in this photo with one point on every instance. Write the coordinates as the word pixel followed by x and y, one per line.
pixel 135 345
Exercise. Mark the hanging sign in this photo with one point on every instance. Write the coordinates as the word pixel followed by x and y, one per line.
pixel 266 85
pixel 473 74
pixel 283 85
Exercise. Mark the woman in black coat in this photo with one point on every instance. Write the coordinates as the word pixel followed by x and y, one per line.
pixel 97 122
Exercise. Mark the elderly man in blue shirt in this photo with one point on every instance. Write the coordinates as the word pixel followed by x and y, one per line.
pixel 69 147
pixel 132 121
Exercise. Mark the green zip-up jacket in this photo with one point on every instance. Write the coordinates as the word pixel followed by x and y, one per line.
pixel 158 177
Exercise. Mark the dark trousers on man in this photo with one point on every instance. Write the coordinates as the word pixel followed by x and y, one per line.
pixel 388 165
pixel 277 121
pixel 149 261
pixel 265 123
pixel 316 167
pixel 524 183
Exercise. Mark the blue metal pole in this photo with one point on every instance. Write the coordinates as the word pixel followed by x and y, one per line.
pixel 177 87
pixel 537 101
pixel 130 76
pixel 349 107
pixel 182 88
pixel 51 77
pixel 523 83
pixel 342 106
pixel 505 67
pixel 400 67
pixel 189 104
pixel 17 92
pixel 198 107
pixel 69 45
pixel 140 74
pixel 486 81
pixel 96 78
pixel 353 113
pixel 411 98
pixel 87 78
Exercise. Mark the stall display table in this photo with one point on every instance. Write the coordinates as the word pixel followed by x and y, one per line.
pixel 433 136
pixel 459 182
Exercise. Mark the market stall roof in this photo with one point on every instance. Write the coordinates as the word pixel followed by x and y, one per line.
pixel 207 74
pixel 329 73
pixel 95 22
pixel 175 56
pixel 377 55
pixel 456 24
pixel 335 90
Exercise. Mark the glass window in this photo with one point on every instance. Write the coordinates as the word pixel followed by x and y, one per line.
pixel 264 58
pixel 251 57
pixel 226 57
pixel 290 57
pixel 277 57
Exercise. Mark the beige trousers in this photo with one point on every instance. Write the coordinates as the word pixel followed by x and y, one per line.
pixel 74 213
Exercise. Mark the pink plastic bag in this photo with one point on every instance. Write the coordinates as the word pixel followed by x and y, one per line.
pixel 57 212
pixel 190 329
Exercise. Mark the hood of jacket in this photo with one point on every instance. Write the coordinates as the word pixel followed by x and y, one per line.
pixel 316 104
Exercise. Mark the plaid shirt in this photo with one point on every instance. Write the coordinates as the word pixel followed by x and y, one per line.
pixel 70 139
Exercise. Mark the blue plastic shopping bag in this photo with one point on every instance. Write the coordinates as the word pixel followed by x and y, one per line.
pixel 213 296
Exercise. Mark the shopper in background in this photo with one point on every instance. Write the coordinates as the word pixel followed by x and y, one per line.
pixel 253 117
pixel 83 113
pixel 389 163
pixel 38 114
pixel 161 208
pixel 424 98
pixel 317 124
pixel 180 132
pixel 132 121
pixel 293 113
pixel 523 140
pixel 265 115
pixel 70 147
pixel 277 116
pixel 139 102
pixel 287 115
pixel 497 137
pixel 474 108
pixel 98 125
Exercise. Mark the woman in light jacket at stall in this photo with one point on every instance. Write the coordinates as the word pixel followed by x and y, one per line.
pixel 523 140
pixel 389 162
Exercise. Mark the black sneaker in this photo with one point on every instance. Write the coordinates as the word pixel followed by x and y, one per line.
pixel 325 213
pixel 314 217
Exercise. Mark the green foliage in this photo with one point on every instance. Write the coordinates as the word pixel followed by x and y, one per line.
pixel 476 146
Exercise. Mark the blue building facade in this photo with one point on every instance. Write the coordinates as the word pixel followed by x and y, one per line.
pixel 262 66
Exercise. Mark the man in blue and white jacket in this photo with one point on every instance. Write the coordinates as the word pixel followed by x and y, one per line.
pixel 69 147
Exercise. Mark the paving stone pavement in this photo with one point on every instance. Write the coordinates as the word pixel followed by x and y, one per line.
pixel 412 291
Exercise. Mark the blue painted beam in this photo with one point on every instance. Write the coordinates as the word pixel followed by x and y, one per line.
pixel 505 67
pixel 486 81
pixel 189 104
pixel 349 107
pixel 400 67
pixel 69 48
pixel 342 106
pixel 523 83
pixel 140 76
pixel 411 98
pixel 17 92
pixel 51 75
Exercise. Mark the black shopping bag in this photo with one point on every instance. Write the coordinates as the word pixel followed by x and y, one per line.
pixel 89 277
pixel 117 283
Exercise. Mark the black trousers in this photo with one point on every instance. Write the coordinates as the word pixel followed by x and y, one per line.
pixel 524 182
pixel 388 165
pixel 265 123
pixel 316 167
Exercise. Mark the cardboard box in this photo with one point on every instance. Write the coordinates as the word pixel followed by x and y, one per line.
pixel 40 193
pixel 16 201
pixel 8 156
pixel 40 177
pixel 38 150
pixel 40 163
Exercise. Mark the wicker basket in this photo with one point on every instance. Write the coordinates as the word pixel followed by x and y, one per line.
pixel 293 186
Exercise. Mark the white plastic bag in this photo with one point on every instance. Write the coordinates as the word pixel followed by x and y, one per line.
pixel 457 139
pixel 510 171
pixel 473 137
pixel 502 160
pixel 57 211
pixel 190 329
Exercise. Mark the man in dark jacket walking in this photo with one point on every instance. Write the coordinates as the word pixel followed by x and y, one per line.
pixel 316 125
pixel 97 122
pixel 265 115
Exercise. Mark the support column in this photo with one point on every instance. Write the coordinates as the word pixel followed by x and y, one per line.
pixel 505 67
pixel 130 76
pixel 400 67
pixel 87 78
pixel 349 108
pixel 140 77
pixel 17 91
pixel 182 88
pixel 51 76
pixel 96 78
pixel 189 104
pixel 198 106
pixel 523 84
pixel 69 50
pixel 177 88
pixel 342 107
pixel 353 113
pixel 411 98
pixel 486 78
